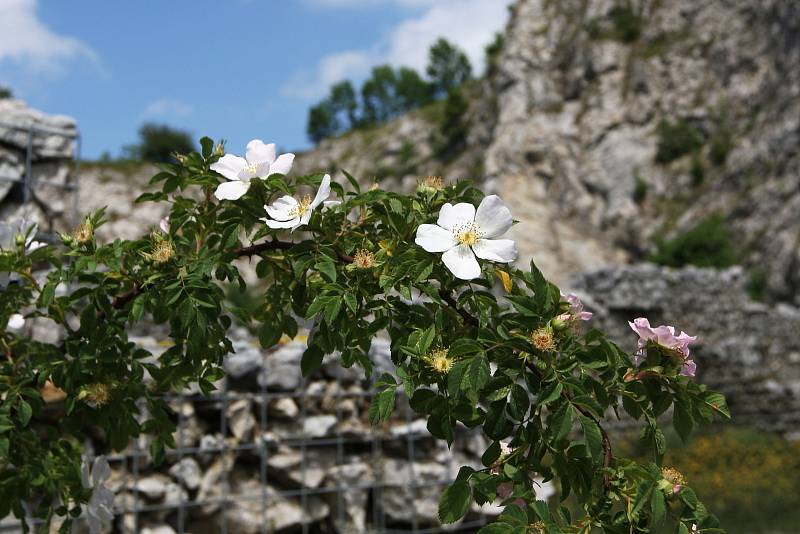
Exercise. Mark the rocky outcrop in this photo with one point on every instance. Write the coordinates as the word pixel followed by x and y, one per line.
pixel 567 130
pixel 50 140
pixel 746 349
pixel 580 102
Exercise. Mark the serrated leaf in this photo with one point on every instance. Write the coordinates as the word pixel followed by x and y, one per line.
pixel 593 437
pixel 475 376
pixel 497 528
pixel 327 268
pixel 24 413
pixel 382 405
pixel 454 502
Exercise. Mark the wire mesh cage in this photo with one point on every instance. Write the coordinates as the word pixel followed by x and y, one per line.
pixel 271 451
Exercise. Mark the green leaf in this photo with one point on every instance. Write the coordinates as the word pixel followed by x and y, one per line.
pixel 717 403
pixel 497 528
pixel 476 376
pixel 551 394
pixel 382 405
pixel 207 146
pixel 682 421
pixel 24 413
pixel 658 508
pixel 350 300
pixel 327 268
pixel 311 361
pixel 593 437
pixel 562 422
pixel 454 502
pixel 519 402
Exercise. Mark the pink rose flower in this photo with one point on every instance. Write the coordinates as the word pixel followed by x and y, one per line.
pixel 664 336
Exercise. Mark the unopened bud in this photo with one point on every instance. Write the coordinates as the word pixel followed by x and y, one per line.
pixel 20 240
pixel 180 157
pixel 219 149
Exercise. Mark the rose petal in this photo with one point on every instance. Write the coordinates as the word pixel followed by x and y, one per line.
pixel 229 166
pixel 493 217
pixel 500 250
pixel 462 263
pixel 231 190
pixel 434 238
pixel 282 165
pixel 280 209
pixel 258 152
pixel 323 192
pixel 450 215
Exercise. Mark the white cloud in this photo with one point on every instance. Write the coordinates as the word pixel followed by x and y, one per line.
pixel 167 107
pixel 471 24
pixel 25 39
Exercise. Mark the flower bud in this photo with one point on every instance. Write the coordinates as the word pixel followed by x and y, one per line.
pixel 559 324
pixel 219 149
pixel 20 240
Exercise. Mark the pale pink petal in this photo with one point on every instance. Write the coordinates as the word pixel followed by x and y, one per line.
pixel 499 250
pixel 689 368
pixel 462 263
pixel 641 326
pixel 229 166
pixel 493 217
pixel 258 152
pixel 231 190
pixel 434 238
pixel 454 215
pixel 330 204
pixel 164 225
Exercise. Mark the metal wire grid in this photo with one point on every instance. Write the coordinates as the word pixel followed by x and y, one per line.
pixel 29 181
pixel 179 514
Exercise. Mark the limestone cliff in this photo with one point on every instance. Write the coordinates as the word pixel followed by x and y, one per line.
pixel 567 129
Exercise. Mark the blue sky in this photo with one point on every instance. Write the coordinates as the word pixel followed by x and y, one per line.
pixel 237 70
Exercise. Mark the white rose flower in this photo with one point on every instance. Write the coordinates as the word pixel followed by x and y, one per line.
pixel 259 162
pixel 463 233
pixel 99 509
pixel 287 212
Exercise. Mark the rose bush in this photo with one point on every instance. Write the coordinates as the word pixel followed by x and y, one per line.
pixel 475 341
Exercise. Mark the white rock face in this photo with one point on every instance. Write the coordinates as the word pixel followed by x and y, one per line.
pixel 52 140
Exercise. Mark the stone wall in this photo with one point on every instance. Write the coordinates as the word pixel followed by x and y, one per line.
pixel 273 450
pixel 748 350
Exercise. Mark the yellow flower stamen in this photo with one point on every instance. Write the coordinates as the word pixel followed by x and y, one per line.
pixel 96 393
pixel 467 233
pixel 83 233
pixel 673 476
pixel 364 259
pixel 440 361
pixel 163 252
pixel 542 338
pixel 301 208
